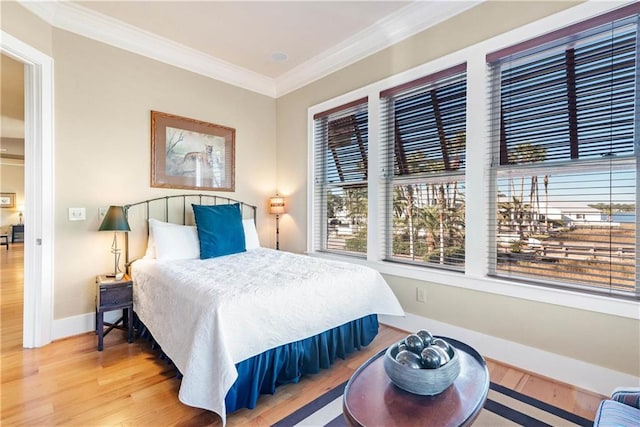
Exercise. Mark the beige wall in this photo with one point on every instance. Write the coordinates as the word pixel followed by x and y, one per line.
pixel 11 138
pixel 12 181
pixel 12 94
pixel 570 332
pixel 103 100
pixel 25 26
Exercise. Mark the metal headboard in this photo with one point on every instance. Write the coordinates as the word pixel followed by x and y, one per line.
pixel 176 209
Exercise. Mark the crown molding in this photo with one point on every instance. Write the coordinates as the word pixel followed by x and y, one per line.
pixel 410 20
pixel 88 23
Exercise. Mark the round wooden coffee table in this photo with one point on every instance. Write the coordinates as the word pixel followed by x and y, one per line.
pixel 371 399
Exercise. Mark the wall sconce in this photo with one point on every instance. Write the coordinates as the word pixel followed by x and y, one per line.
pixel 115 220
pixel 277 207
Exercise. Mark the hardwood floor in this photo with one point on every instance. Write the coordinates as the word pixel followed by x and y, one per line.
pixel 70 383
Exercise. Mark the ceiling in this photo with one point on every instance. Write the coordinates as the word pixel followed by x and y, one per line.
pixel 248 33
pixel 271 47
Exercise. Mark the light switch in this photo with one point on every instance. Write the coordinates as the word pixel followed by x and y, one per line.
pixel 77 214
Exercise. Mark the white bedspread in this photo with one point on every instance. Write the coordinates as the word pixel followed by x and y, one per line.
pixel 208 315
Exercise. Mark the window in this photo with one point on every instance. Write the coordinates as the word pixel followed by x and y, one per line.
pixel 564 157
pixel 340 182
pixel 424 138
pixel 521 168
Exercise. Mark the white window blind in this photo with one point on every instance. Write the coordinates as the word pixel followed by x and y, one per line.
pixel 424 140
pixel 340 188
pixel 564 157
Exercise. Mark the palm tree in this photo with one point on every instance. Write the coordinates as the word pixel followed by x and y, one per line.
pixel 457 146
pixel 404 207
pixel 335 203
pixel 355 203
pixel 546 203
pixel 534 205
pixel 520 154
pixel 456 218
pixel 441 211
pixel 429 220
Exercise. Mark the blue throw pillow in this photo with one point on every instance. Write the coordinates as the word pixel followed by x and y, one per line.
pixel 219 229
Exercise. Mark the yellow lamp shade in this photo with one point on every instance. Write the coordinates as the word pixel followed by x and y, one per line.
pixel 276 205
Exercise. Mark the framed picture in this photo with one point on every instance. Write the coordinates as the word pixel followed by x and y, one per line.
pixel 188 153
pixel 7 200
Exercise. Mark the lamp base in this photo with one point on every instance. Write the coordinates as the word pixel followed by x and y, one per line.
pixel 277 232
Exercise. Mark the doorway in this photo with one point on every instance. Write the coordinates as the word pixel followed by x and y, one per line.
pixel 38 186
pixel 12 187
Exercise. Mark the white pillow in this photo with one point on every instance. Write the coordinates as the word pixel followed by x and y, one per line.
pixel 151 245
pixel 251 240
pixel 179 242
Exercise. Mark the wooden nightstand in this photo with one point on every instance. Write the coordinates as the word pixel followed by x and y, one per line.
pixel 17 233
pixel 112 294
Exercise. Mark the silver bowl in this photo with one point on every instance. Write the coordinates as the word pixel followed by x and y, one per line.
pixel 426 382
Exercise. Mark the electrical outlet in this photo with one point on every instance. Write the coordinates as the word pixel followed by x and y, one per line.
pixel 421 295
pixel 77 214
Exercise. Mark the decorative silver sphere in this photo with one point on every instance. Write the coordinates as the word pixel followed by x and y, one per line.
pixel 409 359
pixel 414 343
pixel 444 356
pixel 444 345
pixel 426 336
pixel 430 358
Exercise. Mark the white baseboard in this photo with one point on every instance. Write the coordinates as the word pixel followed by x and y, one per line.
pixel 565 369
pixel 80 324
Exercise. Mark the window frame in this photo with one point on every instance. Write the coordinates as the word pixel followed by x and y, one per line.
pixel 318 231
pixel 476 275
pixel 567 157
pixel 427 86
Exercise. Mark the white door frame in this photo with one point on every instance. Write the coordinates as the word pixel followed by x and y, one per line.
pixel 39 190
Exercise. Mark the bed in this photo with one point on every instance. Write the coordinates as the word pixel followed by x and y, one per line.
pixel 239 324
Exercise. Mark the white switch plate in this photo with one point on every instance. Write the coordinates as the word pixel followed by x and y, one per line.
pixel 102 212
pixel 77 214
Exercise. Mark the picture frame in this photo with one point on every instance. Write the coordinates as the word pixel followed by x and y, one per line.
pixel 191 154
pixel 8 200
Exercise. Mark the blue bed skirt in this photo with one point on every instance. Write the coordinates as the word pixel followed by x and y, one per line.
pixel 261 374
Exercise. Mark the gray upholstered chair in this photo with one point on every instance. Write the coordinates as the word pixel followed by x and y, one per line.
pixel 622 410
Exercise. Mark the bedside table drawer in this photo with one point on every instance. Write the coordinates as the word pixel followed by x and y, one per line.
pixel 110 296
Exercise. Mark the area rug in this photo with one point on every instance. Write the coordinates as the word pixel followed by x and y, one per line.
pixel 504 407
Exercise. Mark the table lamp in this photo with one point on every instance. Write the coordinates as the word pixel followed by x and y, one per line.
pixel 115 220
pixel 277 207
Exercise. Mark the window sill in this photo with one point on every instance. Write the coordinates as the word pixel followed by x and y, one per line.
pixel 567 298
